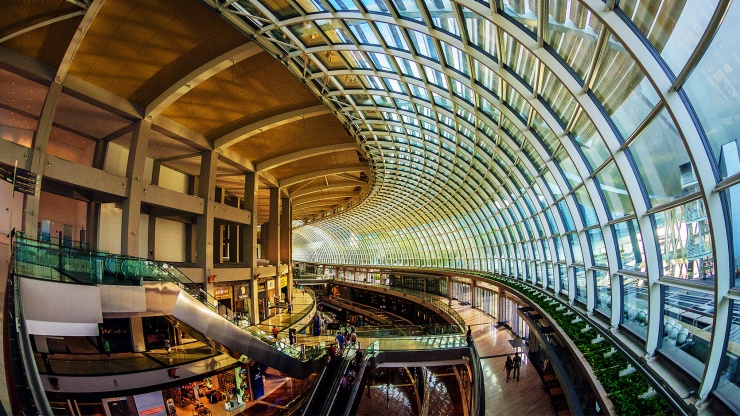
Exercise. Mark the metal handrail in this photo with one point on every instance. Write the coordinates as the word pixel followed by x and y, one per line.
pixel 30 369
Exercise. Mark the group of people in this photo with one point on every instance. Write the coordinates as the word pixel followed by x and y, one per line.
pixel 348 337
pixel 350 377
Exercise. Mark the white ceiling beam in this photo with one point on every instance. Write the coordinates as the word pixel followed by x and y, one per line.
pixel 201 74
pixel 359 167
pixel 303 154
pixel 268 123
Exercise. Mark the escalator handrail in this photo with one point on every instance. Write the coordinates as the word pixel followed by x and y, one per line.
pixel 348 351
pixel 315 387
pixel 360 374
pixel 27 357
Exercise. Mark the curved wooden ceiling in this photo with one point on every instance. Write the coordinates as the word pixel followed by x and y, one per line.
pixel 204 84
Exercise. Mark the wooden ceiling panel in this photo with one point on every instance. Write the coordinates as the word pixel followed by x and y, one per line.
pixel 316 163
pixel 251 90
pixel 137 49
pixel 292 137
pixel 46 44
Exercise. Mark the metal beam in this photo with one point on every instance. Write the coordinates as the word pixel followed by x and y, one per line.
pixel 268 123
pixel 359 167
pixel 331 186
pixel 303 154
pixel 201 74
pixel 76 41
pixel 42 24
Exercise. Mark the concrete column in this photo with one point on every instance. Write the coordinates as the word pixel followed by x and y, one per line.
pixel 286 241
pixel 137 334
pixel 152 233
pixel 38 160
pixel 134 174
pixel 233 243
pixel 473 301
pixel 249 238
pixel 204 223
pixel 273 255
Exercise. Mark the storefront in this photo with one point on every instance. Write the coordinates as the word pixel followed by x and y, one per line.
pixel 223 295
pixel 225 393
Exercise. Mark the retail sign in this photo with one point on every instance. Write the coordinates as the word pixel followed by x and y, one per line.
pixel 150 404
pixel 24 181
pixel 242 291
pixel 270 284
pixel 222 292
pixel 283 281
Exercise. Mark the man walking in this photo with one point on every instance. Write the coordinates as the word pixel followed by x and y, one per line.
pixel 517 364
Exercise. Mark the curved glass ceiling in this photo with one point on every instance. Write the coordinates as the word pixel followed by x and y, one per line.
pixel 580 145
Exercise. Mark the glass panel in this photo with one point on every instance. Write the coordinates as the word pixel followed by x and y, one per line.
pixel 674 27
pixel 311 6
pixel 635 305
pixel 563 271
pixel 589 141
pixel 424 45
pixel 575 245
pixel 629 242
pixel 557 96
pixel 572 32
pixel 733 204
pixel 443 16
pixel 615 192
pixel 685 242
pixel 342 5
pixel 598 248
pixel 687 326
pixel 586 208
pixel 524 12
pixel 308 33
pixel 666 175
pixel 565 214
pixel 374 6
pixel 623 89
pixel 363 32
pixel 281 8
pixel 713 89
pixel 729 381
pixel 481 32
pixel 581 293
pixel 392 36
pixel 519 59
pixel 408 10
pixel 603 291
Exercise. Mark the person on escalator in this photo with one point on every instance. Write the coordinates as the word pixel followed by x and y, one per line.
pixel 340 340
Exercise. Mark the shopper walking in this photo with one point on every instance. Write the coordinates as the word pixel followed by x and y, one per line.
pixel 517 363
pixel 275 332
pixel 106 348
pixel 167 345
pixel 508 366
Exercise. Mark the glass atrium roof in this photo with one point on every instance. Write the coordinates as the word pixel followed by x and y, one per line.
pixel 580 145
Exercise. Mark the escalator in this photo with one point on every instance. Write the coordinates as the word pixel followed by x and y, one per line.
pixel 327 385
pixel 344 402
pixel 167 291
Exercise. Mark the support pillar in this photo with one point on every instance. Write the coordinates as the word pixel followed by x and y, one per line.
pixel 274 236
pixel 204 222
pixel 473 301
pixel 249 240
pixel 152 234
pixel 38 160
pixel 286 241
pixel 134 174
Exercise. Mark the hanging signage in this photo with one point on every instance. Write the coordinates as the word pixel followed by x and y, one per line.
pixel 283 281
pixel 25 182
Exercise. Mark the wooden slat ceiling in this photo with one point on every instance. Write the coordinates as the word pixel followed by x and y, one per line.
pixel 138 50
pixel 292 137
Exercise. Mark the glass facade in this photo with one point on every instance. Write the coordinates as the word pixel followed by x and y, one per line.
pixel 560 148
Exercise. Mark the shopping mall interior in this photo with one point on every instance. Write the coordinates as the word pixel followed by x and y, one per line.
pixel 370 207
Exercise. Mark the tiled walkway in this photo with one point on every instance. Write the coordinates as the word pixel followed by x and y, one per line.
pixel 525 397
